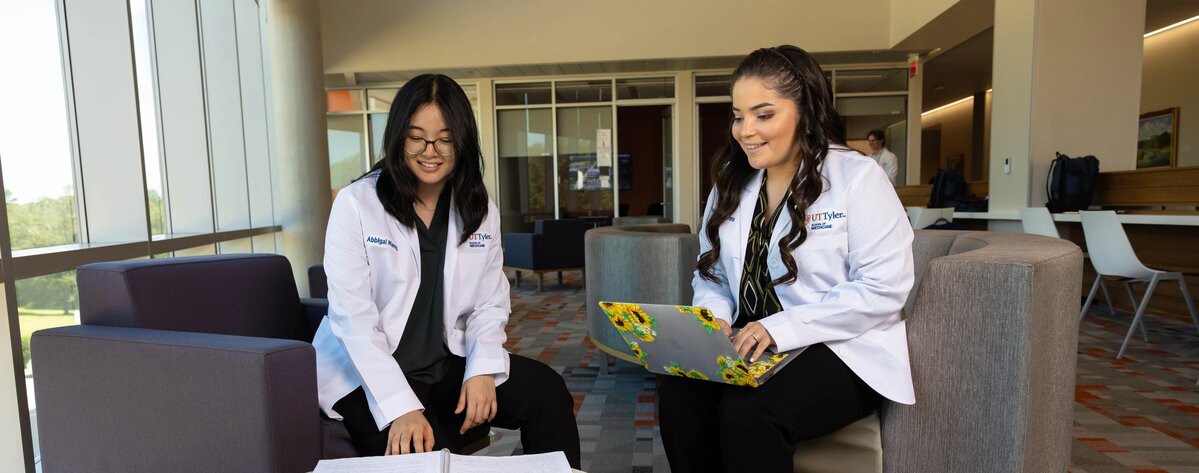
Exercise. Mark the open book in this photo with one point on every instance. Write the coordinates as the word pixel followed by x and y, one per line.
pixel 445 462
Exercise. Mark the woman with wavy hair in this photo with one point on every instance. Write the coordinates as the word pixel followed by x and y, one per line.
pixel 411 353
pixel 804 244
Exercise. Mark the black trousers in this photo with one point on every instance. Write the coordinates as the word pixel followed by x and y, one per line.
pixel 707 426
pixel 534 399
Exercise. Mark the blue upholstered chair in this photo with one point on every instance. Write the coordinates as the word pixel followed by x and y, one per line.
pixel 554 246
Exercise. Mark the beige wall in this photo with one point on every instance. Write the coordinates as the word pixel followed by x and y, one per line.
pixel 908 16
pixel 957 137
pixel 386 35
pixel 1085 99
pixel 1171 73
pixel 956 126
pixel 1062 82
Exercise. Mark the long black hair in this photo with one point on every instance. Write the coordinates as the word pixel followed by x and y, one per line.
pixel 396 186
pixel 790 72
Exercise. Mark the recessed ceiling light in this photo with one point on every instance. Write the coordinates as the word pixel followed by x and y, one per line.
pixel 1176 25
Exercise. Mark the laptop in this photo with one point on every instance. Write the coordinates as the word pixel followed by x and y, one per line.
pixel 679 340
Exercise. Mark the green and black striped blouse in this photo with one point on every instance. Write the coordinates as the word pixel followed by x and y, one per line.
pixel 758 298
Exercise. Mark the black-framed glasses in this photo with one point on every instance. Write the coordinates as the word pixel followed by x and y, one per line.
pixel 416 146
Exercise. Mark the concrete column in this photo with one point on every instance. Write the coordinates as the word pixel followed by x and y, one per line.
pixel 1067 77
pixel 915 127
pixel 978 136
pixel 487 138
pixel 297 84
pixel 686 155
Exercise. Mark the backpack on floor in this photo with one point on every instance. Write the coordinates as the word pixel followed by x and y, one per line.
pixel 1071 183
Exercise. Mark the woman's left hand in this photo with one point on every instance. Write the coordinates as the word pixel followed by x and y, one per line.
pixel 478 399
pixel 752 339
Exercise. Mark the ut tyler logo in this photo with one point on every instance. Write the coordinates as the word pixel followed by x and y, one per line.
pixel 478 240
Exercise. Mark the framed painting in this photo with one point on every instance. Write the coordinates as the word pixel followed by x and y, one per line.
pixel 1157 139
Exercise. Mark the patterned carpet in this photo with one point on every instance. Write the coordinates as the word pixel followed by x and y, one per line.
pixel 1137 414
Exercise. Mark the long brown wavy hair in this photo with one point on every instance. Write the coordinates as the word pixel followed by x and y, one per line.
pixel 792 73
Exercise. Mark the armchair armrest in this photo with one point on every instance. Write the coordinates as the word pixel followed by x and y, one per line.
pixel 134 400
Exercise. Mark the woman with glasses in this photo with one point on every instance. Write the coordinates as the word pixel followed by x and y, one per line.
pixel 411 353
pixel 804 245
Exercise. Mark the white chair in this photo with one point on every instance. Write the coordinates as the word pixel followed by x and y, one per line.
pixel 922 217
pixel 1038 221
pixel 1112 255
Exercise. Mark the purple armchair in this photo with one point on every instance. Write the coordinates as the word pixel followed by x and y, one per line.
pixel 185 364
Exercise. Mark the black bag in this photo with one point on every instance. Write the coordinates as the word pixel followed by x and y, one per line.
pixel 948 188
pixel 1071 183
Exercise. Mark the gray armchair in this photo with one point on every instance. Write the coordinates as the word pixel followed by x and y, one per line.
pixel 992 335
pixel 184 364
pixel 635 263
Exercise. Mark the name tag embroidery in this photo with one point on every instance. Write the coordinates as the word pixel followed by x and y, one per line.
pixel 374 240
pixel 822 220
pixel 478 240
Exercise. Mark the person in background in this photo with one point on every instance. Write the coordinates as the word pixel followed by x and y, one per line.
pixel 803 246
pixel 883 156
pixel 411 353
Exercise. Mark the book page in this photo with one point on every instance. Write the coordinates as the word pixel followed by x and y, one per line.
pixel 430 462
pixel 554 462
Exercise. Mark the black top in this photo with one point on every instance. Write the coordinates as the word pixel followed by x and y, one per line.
pixel 422 352
pixel 758 298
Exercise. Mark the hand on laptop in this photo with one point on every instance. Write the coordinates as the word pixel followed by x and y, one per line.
pixel 752 339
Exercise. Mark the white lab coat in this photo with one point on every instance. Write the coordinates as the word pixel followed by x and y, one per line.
pixel 373 268
pixel 854 273
pixel 890 163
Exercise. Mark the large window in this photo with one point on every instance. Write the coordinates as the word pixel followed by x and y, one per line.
pixel 526 162
pixel 35 141
pixel 104 114
pixel 147 101
pixel 347 149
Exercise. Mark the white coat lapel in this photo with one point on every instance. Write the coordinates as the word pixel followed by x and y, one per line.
pixel 453 235
pixel 745 215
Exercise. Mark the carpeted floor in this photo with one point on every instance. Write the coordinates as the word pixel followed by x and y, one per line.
pixel 1138 414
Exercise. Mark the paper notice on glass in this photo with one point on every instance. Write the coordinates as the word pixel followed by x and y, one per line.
pixel 603 146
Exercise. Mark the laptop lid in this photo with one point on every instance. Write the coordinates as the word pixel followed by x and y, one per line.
pixel 686 341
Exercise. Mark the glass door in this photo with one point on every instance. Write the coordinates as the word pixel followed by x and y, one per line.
pixel 644 158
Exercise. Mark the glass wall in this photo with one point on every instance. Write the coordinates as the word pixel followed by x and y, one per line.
pixel 578 173
pixel 875 99
pixel 585 162
pixel 526 167
pixel 347 152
